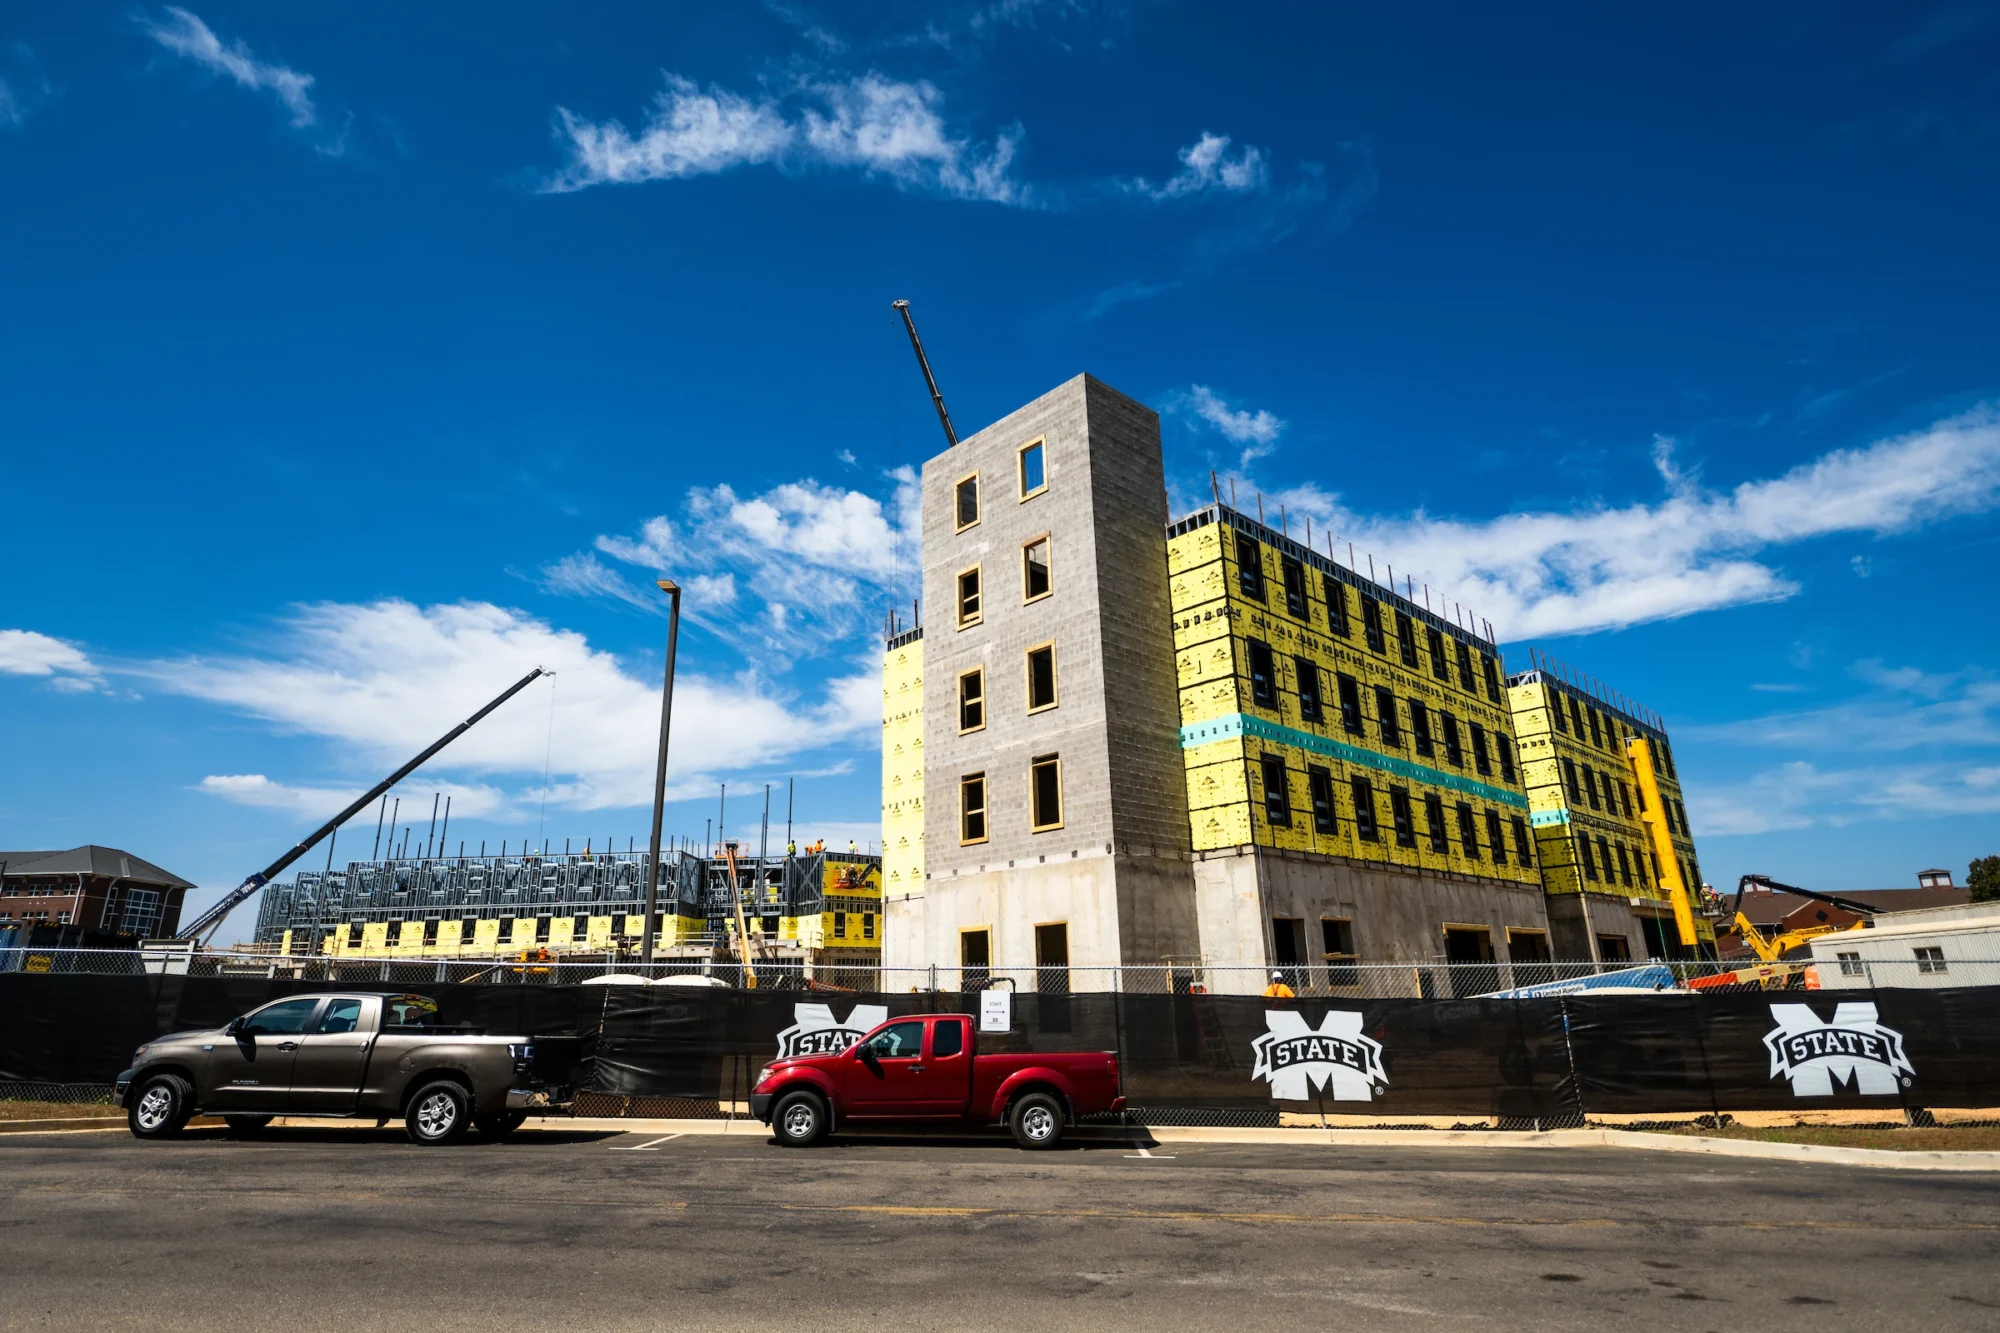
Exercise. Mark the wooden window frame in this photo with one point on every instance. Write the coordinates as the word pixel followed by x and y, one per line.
pixel 1020 464
pixel 1037 762
pixel 978 503
pixel 1029 597
pixel 1028 677
pixel 984 710
pixel 985 809
pixel 958 596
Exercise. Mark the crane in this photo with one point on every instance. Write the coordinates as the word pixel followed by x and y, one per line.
pixel 1775 947
pixel 208 922
pixel 924 363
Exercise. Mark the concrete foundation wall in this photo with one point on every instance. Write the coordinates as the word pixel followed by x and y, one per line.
pixel 1397 915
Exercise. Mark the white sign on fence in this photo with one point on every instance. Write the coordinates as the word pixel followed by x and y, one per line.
pixel 996 1011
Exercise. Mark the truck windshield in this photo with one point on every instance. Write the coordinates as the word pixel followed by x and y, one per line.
pixel 898 1041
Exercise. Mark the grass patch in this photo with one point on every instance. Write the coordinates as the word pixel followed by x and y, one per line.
pixel 57 1111
pixel 1965 1138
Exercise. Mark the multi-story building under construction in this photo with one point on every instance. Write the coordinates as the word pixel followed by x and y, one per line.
pixel 1128 741
pixel 817 909
pixel 1602 872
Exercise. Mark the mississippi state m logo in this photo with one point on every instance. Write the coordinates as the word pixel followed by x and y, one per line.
pixel 815 1031
pixel 1854 1050
pixel 1296 1059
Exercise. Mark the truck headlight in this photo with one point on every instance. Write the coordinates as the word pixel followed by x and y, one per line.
pixel 763 1074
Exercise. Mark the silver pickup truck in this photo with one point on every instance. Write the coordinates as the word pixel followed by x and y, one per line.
pixel 372 1057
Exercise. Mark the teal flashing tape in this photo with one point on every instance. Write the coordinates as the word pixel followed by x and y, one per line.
pixel 1237 724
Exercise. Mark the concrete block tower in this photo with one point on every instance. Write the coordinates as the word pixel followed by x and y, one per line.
pixel 1055 817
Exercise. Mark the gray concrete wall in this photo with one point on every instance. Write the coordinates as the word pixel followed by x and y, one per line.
pixel 1399 916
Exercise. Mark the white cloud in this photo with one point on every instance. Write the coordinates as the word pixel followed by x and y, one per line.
pixel 254 789
pixel 1207 167
pixel 1602 568
pixel 818 552
pixel 1908 709
pixel 385 678
pixel 1257 429
pixel 186 35
pixel 23 652
pixel 881 126
pixel 1799 794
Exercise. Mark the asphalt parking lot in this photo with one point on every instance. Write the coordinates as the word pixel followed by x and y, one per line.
pixel 357 1229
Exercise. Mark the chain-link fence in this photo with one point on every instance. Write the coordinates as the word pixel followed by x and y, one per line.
pixel 1439 978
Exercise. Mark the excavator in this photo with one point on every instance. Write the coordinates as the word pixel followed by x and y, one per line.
pixel 1773 972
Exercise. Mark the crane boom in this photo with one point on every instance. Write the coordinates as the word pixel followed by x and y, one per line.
pixel 924 362
pixel 207 923
pixel 1776 947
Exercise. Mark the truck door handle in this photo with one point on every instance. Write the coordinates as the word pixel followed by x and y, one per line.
pixel 288 1046
pixel 916 1069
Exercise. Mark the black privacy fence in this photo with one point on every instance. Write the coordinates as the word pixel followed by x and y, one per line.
pixel 1534 1061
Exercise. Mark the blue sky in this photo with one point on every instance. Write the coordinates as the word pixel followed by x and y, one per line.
pixel 354 359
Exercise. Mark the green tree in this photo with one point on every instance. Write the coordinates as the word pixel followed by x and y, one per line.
pixel 1982 879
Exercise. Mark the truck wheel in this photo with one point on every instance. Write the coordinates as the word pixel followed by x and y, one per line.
pixel 440 1112
pixel 244 1126
pixel 799 1120
pixel 160 1107
pixel 1037 1121
pixel 500 1124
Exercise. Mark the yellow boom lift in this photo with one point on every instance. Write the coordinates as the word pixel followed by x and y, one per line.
pixel 1773 948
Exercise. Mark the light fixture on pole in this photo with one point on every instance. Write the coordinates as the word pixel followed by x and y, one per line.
pixel 673 591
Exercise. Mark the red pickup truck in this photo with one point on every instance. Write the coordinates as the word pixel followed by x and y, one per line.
pixel 927 1069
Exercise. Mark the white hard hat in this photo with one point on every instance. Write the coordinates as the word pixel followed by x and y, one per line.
pixel 1277 976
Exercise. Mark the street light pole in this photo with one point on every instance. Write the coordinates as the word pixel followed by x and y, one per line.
pixel 673 591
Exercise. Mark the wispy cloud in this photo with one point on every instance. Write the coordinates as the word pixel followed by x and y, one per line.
pixel 383 677
pixel 1571 572
pixel 1208 167
pixel 1905 709
pixel 882 127
pixel 24 652
pixel 186 35
pixel 321 802
pixel 24 89
pixel 1803 794
pixel 1257 432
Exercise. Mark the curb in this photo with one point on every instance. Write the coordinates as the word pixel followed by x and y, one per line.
pixel 1881 1158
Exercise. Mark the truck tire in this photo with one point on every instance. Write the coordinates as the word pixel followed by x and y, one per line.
pixel 799 1119
pixel 1036 1121
pixel 500 1124
pixel 439 1112
pixel 245 1126
pixel 160 1107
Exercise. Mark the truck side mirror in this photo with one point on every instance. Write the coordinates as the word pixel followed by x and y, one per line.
pixel 235 1027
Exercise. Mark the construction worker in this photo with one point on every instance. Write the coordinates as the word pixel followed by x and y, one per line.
pixel 791 849
pixel 850 846
pixel 1278 990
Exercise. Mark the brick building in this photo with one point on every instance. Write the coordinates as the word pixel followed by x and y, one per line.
pixel 89 895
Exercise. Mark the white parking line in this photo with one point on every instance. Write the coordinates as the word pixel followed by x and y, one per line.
pixel 1150 1156
pixel 649 1147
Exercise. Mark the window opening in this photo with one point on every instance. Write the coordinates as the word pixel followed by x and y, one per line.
pixel 1263 673
pixel 1309 701
pixel 1440 664
pixel 1420 727
pixel 1385 717
pixel 1453 751
pixel 1034 477
pixel 1249 567
pixel 1371 624
pixel 1319 784
pixel 1277 795
pixel 1364 808
pixel 1406 638
pixel 1522 843
pixel 1336 936
pixel 1434 823
pixel 968 501
pixel 972 808
pixel 968 597
pixel 1506 749
pixel 972 700
pixel 1336 605
pixel 1465 666
pixel 1350 703
pixel 1045 793
pixel 1295 586
pixel 1495 839
pixel 1402 818
pixel 1468 833
pixel 1041 677
pixel 1036 580
pixel 1480 762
